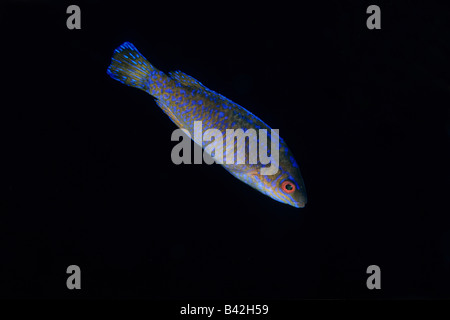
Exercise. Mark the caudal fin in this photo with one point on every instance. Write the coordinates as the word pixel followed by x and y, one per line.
pixel 130 67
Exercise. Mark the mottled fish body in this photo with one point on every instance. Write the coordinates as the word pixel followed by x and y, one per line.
pixel 186 100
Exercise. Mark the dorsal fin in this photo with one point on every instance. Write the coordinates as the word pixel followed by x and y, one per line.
pixel 186 80
pixel 189 81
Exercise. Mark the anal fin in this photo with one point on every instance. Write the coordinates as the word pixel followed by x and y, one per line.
pixel 169 112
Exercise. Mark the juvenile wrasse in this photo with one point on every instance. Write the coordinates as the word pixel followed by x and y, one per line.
pixel 186 100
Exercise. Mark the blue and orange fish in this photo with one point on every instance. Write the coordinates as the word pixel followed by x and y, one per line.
pixel 185 100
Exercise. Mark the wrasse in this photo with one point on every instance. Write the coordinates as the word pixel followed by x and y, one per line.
pixel 185 100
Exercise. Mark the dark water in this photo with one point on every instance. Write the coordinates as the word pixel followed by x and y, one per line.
pixel 88 178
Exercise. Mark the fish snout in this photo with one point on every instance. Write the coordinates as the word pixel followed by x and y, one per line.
pixel 299 204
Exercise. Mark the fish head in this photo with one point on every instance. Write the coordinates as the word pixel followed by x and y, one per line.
pixel 294 190
pixel 286 185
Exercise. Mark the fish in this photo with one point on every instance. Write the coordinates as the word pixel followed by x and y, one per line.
pixel 186 100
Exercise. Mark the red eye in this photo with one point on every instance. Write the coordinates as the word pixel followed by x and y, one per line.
pixel 288 186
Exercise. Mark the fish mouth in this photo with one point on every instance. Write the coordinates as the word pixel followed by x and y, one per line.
pixel 299 204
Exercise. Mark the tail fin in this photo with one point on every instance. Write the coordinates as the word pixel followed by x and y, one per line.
pixel 130 67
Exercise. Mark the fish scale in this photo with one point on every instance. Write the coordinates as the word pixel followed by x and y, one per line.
pixel 186 100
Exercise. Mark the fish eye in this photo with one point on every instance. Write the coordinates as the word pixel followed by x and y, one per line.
pixel 288 186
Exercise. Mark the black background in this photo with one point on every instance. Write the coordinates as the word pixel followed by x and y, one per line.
pixel 88 179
